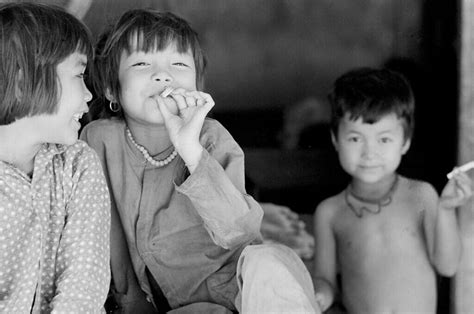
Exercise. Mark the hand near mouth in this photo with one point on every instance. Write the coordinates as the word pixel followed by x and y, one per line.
pixel 185 126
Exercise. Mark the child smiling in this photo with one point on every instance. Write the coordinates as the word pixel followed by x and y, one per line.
pixel 385 234
pixel 185 235
pixel 54 202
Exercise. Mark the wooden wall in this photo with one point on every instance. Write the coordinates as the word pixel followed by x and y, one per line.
pixel 266 53
pixel 464 281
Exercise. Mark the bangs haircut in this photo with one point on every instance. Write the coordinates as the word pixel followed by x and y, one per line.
pixel 34 39
pixel 146 31
pixel 371 94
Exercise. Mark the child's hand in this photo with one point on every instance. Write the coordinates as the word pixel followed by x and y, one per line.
pixel 185 127
pixel 282 217
pixel 457 191
pixel 321 301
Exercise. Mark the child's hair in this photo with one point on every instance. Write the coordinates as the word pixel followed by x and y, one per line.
pixel 34 39
pixel 140 30
pixel 371 94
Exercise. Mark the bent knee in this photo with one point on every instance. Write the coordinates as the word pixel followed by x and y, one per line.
pixel 267 255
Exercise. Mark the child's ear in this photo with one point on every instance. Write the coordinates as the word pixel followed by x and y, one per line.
pixel 109 95
pixel 334 141
pixel 406 146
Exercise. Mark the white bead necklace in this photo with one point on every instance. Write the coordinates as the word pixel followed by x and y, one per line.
pixel 156 163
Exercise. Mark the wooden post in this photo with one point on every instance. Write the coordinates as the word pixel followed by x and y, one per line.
pixel 463 283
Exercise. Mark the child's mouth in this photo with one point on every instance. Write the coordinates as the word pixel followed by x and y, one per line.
pixel 369 167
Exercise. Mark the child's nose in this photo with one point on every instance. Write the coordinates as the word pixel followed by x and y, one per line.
pixel 369 150
pixel 87 94
pixel 162 76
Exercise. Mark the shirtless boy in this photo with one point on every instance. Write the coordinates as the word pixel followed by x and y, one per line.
pixel 385 234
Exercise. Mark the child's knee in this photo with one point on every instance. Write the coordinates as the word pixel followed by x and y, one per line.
pixel 271 257
pixel 275 272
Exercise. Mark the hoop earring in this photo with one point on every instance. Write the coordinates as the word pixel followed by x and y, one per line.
pixel 114 107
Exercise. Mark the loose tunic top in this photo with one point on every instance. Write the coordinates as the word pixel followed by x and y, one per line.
pixel 188 230
pixel 54 233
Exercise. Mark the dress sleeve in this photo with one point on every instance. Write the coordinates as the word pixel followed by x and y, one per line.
pixel 217 190
pixel 83 271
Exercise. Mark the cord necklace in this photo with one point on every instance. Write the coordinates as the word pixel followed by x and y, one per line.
pixel 383 201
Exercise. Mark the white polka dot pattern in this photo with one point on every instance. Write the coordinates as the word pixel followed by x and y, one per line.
pixel 54 233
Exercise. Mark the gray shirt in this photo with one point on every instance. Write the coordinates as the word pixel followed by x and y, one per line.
pixel 188 230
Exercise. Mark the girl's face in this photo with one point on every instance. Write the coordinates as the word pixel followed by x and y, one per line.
pixel 371 152
pixel 143 75
pixel 63 126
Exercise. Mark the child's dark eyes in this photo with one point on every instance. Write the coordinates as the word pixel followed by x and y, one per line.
pixel 385 140
pixel 181 64
pixel 353 139
pixel 137 64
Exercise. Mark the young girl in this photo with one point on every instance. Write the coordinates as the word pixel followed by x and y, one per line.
pixel 182 224
pixel 54 204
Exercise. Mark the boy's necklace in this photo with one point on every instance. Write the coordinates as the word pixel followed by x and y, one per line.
pixel 383 201
pixel 156 163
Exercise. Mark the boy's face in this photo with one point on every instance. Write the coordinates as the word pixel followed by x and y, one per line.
pixel 144 75
pixel 62 126
pixel 370 152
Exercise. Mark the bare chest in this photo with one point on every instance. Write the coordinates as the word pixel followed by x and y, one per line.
pixel 394 228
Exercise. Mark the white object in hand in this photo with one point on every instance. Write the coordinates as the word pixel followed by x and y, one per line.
pixel 166 92
pixel 463 168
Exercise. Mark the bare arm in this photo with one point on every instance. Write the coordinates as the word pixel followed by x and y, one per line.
pixel 325 261
pixel 441 226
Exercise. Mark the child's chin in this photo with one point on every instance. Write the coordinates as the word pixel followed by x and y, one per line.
pixel 369 178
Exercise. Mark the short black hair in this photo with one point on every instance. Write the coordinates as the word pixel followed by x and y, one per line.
pixel 153 30
pixel 34 39
pixel 370 94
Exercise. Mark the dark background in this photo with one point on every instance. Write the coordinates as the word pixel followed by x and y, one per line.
pixel 268 56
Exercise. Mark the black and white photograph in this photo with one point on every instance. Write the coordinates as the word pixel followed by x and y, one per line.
pixel 237 156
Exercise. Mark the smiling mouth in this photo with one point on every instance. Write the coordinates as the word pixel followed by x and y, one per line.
pixel 368 167
pixel 77 116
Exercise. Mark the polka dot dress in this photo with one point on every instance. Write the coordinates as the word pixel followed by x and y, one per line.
pixel 54 233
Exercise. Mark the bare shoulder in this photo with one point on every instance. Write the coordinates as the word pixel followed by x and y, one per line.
pixel 419 191
pixel 329 208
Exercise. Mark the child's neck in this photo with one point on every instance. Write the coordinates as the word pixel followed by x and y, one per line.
pixel 18 146
pixel 154 138
pixel 373 191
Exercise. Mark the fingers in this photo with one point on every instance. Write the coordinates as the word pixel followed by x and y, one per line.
pixel 463 185
pixel 457 191
pixel 465 167
pixel 165 112
pixel 189 99
pixel 320 301
pixel 192 106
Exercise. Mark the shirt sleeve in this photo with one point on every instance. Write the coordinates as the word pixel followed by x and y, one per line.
pixel 83 270
pixel 217 190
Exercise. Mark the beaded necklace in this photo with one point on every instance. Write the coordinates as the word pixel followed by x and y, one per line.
pixel 156 163
pixel 383 201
